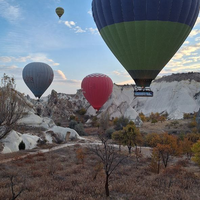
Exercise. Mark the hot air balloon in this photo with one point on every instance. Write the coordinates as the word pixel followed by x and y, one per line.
pixel 38 77
pixel 59 12
pixel 144 34
pixel 97 88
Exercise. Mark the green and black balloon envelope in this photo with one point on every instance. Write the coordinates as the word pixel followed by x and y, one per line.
pixel 144 34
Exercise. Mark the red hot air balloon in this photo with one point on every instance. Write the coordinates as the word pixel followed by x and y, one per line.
pixel 97 88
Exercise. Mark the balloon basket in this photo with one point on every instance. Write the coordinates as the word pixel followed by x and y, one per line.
pixel 143 92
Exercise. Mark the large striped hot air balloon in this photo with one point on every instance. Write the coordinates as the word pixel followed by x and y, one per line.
pixel 38 77
pixel 97 88
pixel 144 34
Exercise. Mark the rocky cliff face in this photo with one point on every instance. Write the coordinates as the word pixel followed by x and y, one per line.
pixel 60 107
pixel 175 95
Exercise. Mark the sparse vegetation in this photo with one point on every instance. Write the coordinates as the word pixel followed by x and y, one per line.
pixel 161 175
pixel 126 182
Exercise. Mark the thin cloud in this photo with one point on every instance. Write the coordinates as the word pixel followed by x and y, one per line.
pixel 186 51
pixel 197 39
pixel 11 70
pixel 186 42
pixel 197 21
pixel 70 23
pixel 5 59
pixel 126 82
pixel 60 77
pixel 77 29
pixel 9 12
pixel 120 73
pixel 38 57
pixel 194 32
pixel 93 30
pixel 90 12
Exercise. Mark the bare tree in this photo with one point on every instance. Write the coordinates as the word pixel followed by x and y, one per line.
pixel 17 183
pixel 104 121
pixel 109 157
pixel 12 184
pixel 12 105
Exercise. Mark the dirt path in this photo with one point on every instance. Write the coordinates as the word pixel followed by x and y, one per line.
pixel 4 158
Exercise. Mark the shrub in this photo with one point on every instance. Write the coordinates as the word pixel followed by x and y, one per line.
pixel 82 111
pixel 121 122
pixel 80 155
pixel 72 117
pixel 72 124
pixel 80 129
pixel 95 122
pixel 142 117
pixel 186 116
pixel 22 145
pixel 115 120
pixel 109 133
pixel 153 121
pixel 192 124
pixel 58 124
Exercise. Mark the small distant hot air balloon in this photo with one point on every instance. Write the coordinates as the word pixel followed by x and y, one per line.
pixel 144 34
pixel 97 88
pixel 59 12
pixel 38 77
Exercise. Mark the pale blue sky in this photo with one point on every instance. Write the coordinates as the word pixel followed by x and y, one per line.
pixel 31 31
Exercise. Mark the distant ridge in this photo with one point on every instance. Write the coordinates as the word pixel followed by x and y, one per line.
pixel 180 77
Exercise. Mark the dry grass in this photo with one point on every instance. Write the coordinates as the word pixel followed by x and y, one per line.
pixel 167 126
pixel 60 175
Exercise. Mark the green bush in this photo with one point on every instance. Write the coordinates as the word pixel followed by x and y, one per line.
pixel 58 124
pixel 72 117
pixel 109 133
pixel 80 129
pixel 192 124
pixel 22 145
pixel 82 111
pixel 121 122
pixel 95 121
pixel 153 121
pixel 72 124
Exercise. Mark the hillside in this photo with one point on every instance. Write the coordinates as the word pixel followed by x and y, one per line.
pixel 195 76
pixel 175 94
pixel 48 119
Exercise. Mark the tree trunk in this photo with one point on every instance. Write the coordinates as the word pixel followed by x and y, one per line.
pixel 119 147
pixel 129 149
pixel 158 170
pixel 107 186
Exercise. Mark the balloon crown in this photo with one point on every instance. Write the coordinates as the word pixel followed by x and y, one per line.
pixel 96 75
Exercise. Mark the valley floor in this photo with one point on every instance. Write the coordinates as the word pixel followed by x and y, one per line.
pixel 61 174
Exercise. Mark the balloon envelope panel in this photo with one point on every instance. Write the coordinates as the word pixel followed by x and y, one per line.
pixel 144 34
pixel 38 77
pixel 97 88
pixel 59 11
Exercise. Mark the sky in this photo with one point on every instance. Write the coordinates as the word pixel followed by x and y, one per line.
pixel 30 31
